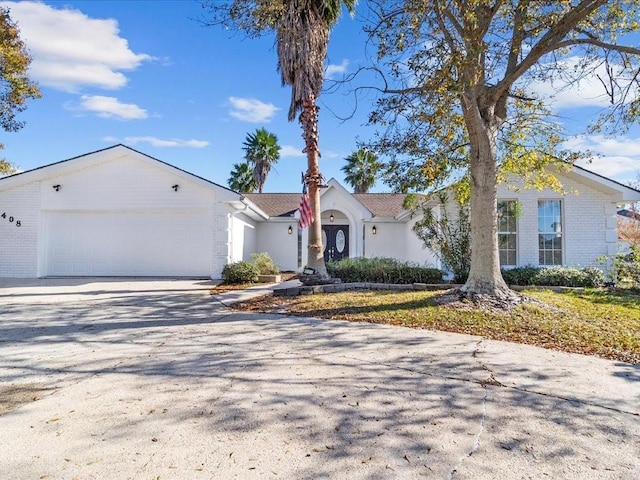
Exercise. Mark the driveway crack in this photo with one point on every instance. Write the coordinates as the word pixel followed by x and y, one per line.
pixel 476 440
pixel 491 381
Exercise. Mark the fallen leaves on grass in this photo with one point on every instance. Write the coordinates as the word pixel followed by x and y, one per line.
pixel 591 322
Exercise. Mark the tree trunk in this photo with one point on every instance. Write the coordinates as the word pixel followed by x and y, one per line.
pixel 313 178
pixel 485 277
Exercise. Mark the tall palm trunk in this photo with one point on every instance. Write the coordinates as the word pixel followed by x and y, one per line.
pixel 313 179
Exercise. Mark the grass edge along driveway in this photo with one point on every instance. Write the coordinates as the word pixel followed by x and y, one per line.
pixel 591 321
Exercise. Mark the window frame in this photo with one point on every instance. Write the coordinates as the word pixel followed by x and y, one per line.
pixel 561 233
pixel 516 248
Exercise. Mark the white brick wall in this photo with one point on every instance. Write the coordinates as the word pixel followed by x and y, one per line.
pixel 19 245
pixel 587 227
pixel 222 235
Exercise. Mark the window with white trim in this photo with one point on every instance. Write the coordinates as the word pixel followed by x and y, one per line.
pixel 550 232
pixel 507 232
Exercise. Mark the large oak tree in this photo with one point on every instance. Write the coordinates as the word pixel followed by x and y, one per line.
pixel 458 94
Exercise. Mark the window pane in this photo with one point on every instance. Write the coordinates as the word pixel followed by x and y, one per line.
pixel 557 260
pixel 541 224
pixel 542 241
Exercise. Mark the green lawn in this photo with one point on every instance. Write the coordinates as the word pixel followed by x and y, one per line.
pixel 592 322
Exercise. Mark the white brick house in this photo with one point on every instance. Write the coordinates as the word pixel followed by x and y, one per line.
pixel 119 212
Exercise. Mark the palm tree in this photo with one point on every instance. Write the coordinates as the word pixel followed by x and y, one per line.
pixel 261 151
pixel 361 170
pixel 302 37
pixel 241 179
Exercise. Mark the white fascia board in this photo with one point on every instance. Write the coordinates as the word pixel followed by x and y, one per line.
pixel 245 205
pixel 618 191
pixel 384 220
pixel 101 156
pixel 55 169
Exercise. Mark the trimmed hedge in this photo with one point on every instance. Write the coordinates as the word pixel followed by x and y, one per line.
pixel 554 276
pixel 382 270
pixel 240 272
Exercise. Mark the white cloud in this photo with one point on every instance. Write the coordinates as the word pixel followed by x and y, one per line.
pixel 605 145
pixel 617 158
pixel 332 70
pixel 291 152
pixel 587 92
pixel 111 107
pixel 251 110
pixel 158 142
pixel 71 50
pixel 331 154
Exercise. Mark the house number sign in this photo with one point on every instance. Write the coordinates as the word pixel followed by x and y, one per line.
pixel 11 219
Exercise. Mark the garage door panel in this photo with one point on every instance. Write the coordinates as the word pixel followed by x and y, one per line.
pixel 128 244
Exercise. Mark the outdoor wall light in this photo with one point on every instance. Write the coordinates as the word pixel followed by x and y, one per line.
pixel 331 218
pixel 290 230
pixel 374 230
pixel 175 187
pixel 57 187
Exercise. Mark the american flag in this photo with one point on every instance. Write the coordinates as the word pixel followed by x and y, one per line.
pixel 306 215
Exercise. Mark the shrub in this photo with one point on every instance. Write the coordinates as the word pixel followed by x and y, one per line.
pixel 240 272
pixel 264 263
pixel 570 277
pixel 382 270
pixel 626 267
pixel 555 276
pixel 449 236
pixel 520 275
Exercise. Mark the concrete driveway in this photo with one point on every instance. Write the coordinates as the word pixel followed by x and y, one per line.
pixel 156 379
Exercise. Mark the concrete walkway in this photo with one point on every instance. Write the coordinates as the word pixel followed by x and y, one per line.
pixel 156 379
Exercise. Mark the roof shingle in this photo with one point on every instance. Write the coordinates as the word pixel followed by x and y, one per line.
pixel 285 204
pixel 276 204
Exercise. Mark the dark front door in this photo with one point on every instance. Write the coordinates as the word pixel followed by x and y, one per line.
pixel 335 239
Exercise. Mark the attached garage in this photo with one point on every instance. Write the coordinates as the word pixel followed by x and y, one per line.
pixel 127 244
pixel 118 212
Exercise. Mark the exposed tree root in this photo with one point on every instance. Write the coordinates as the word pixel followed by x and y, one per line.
pixel 500 302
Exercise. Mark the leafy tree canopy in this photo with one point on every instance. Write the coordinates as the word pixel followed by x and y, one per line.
pixel 6 168
pixel 15 86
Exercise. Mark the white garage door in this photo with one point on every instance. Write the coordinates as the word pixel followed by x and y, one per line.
pixel 128 244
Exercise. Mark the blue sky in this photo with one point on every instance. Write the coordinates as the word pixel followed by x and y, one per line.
pixel 148 75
